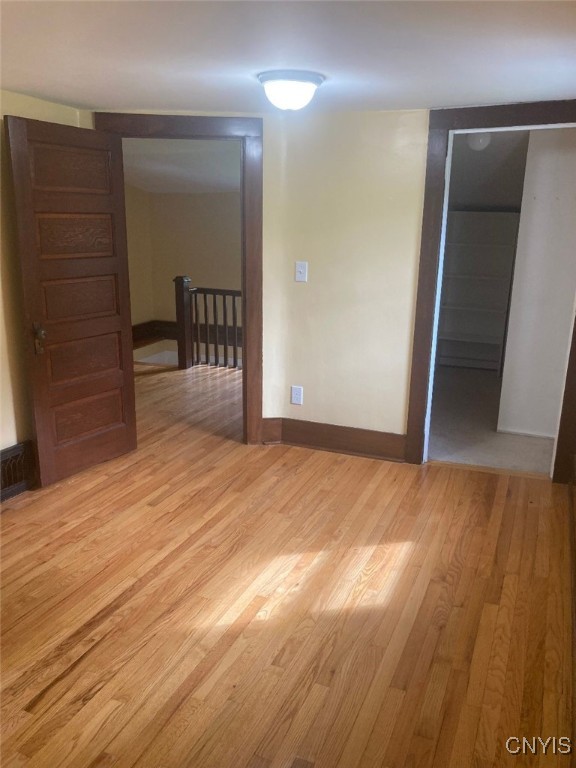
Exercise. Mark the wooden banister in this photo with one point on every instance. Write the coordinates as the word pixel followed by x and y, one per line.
pixel 199 327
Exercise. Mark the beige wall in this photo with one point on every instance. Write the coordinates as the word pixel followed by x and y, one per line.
pixel 345 193
pixel 15 415
pixel 196 235
pixel 139 234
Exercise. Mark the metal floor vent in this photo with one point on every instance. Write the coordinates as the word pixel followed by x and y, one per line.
pixel 16 470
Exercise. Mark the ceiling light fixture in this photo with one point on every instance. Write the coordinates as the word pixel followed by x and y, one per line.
pixel 290 88
pixel 478 141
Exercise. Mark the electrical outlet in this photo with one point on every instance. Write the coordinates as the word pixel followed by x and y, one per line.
pixel 301 272
pixel 296 395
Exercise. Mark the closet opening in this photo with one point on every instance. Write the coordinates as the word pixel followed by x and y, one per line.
pixel 505 300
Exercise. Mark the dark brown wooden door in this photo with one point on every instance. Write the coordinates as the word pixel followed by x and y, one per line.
pixel 72 240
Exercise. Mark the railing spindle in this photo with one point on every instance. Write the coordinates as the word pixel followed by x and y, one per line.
pixel 197 331
pixel 216 345
pixel 191 326
pixel 199 317
pixel 207 330
pixel 225 321
pixel 235 323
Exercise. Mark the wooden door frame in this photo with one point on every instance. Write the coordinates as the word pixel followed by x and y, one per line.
pixel 249 131
pixel 443 121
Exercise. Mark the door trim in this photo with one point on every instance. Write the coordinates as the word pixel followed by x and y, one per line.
pixel 249 132
pixel 443 121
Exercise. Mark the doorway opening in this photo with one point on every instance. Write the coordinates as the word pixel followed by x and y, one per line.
pixel 505 300
pixel 443 125
pixel 183 219
pixel 247 132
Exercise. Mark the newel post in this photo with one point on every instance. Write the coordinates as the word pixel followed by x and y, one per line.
pixel 183 321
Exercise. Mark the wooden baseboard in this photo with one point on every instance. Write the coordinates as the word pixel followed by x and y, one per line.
pixel 271 431
pixel 152 331
pixel 330 437
pixel 18 470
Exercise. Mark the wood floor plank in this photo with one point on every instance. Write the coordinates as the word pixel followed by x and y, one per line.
pixel 203 603
pixel 494 689
pixel 455 695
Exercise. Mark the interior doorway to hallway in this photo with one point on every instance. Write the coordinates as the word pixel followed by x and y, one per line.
pixel 183 218
pixel 183 210
pixel 248 132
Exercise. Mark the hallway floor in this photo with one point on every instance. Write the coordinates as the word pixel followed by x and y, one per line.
pixel 463 428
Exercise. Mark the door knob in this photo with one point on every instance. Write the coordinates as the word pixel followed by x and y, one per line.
pixel 39 338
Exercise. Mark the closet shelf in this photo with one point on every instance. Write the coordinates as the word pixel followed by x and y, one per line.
pixel 468 244
pixel 462 276
pixel 463 308
pixel 475 338
pixel 479 260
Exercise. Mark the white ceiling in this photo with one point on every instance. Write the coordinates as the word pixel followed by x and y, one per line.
pixel 182 166
pixel 204 56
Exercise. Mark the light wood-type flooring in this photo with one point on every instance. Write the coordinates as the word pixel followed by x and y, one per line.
pixel 205 604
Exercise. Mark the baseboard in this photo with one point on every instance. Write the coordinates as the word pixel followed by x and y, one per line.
pixel 18 470
pixel 153 331
pixel 525 434
pixel 331 437
pixel 271 430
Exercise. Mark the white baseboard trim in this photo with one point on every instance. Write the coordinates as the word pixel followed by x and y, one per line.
pixel 525 434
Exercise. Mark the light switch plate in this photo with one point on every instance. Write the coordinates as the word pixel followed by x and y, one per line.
pixel 301 272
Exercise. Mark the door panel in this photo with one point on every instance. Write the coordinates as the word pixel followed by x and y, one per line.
pixel 70 169
pixel 81 298
pixel 73 360
pixel 88 415
pixel 74 235
pixel 72 240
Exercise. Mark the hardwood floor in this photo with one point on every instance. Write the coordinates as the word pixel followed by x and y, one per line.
pixel 202 603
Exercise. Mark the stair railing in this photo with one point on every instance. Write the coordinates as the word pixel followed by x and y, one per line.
pixel 209 325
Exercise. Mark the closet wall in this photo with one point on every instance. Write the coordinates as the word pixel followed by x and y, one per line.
pixel 544 292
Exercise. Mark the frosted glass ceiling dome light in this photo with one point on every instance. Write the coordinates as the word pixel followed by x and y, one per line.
pixel 290 88
pixel 478 141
